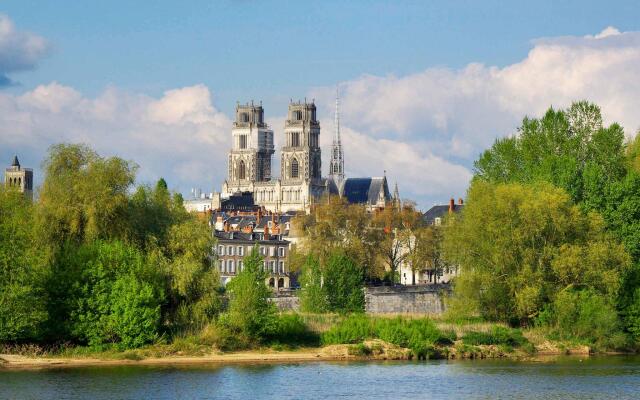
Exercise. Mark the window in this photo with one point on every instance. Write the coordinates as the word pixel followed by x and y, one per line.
pixel 229 250
pixel 240 266
pixel 242 170
pixel 272 266
pixel 240 251
pixel 243 142
pixel 438 221
pixel 281 267
pixel 221 265
pixel 297 115
pixel 281 251
pixel 220 250
pixel 244 117
pixel 263 251
pixel 230 266
pixel 295 139
pixel 249 248
pixel 294 168
pixel 272 251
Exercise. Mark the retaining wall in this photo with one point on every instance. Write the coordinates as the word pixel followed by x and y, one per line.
pixel 422 299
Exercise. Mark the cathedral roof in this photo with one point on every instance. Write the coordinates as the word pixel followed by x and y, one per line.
pixel 365 190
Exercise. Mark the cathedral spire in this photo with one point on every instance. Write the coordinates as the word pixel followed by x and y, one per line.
pixel 396 198
pixel 336 166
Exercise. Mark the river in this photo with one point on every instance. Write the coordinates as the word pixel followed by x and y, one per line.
pixel 611 377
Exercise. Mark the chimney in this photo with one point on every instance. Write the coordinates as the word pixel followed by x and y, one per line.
pixel 266 233
pixel 460 201
pixel 258 216
pixel 226 227
pixel 452 205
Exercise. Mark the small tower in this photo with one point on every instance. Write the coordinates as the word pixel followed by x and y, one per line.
pixel 18 177
pixel 301 150
pixel 396 198
pixel 336 166
pixel 250 156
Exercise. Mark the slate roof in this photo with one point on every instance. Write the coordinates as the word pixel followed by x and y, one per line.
pixel 439 211
pixel 365 190
pixel 15 162
pixel 243 201
pixel 241 237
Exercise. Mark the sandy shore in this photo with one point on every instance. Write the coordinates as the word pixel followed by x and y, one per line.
pixel 11 361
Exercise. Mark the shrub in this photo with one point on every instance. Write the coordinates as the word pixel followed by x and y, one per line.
pixel 353 329
pixel 291 330
pixel 359 349
pixel 498 335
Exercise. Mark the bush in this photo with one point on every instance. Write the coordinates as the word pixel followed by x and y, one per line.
pixel 420 335
pixel 499 336
pixel 585 316
pixel 291 330
pixel 343 284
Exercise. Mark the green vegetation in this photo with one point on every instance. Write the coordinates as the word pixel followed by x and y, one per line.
pixel 549 236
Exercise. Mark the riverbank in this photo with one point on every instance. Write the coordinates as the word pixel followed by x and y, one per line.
pixel 373 350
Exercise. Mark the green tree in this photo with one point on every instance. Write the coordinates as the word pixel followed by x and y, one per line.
pixel 519 245
pixel 22 271
pixel 343 283
pixel 251 316
pixel 313 297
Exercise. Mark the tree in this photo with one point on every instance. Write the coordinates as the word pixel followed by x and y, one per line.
pixel 193 281
pixel 343 283
pixel 250 313
pixel 520 245
pixel 568 148
pixel 84 196
pixel 22 271
pixel 313 297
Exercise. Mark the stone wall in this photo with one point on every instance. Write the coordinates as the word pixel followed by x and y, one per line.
pixel 423 299
pixel 286 302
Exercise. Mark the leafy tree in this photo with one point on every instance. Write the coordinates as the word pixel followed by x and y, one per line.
pixel 84 196
pixel 193 280
pixel 519 245
pixel 343 283
pixel 250 313
pixel 112 294
pixel 22 271
pixel 568 148
pixel 313 297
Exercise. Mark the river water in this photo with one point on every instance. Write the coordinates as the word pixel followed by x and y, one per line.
pixel 613 377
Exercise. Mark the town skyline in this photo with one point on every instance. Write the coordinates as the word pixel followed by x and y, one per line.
pixel 421 115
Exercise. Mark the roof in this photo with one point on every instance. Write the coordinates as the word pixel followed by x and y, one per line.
pixel 365 190
pixel 225 237
pixel 439 211
pixel 240 201
pixel 15 162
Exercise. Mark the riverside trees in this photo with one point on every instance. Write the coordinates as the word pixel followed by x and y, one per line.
pixel 92 263
pixel 551 221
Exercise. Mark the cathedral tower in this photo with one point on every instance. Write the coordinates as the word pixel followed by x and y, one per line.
pixel 336 166
pixel 20 178
pixel 301 149
pixel 250 156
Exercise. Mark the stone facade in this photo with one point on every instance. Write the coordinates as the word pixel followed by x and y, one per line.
pixel 286 302
pixel 426 300
pixel 20 178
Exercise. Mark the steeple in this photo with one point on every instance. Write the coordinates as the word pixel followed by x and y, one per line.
pixel 15 162
pixel 396 197
pixel 336 166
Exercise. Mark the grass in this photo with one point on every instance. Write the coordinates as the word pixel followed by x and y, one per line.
pixel 505 338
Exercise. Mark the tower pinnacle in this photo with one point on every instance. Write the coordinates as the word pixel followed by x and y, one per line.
pixel 336 166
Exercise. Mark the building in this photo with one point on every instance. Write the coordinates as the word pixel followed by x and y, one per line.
pixel 300 183
pixel 238 234
pixel 436 214
pixel 21 178
pixel 435 271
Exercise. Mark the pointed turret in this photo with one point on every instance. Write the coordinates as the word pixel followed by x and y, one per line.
pixel 336 166
pixel 15 162
pixel 396 197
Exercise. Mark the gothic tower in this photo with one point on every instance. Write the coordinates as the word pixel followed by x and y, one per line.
pixel 250 157
pixel 20 178
pixel 336 166
pixel 301 149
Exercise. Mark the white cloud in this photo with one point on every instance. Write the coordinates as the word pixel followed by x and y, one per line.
pixel 19 50
pixel 428 127
pixel 180 135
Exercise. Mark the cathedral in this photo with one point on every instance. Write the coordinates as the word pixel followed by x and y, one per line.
pixel 300 183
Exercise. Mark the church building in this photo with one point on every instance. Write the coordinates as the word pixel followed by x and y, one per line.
pixel 300 183
pixel 20 178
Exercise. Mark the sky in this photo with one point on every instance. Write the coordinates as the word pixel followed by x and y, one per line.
pixel 425 87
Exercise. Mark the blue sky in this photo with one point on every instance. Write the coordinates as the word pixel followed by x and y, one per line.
pixel 273 51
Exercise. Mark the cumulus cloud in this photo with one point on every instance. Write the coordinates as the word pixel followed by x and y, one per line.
pixel 19 50
pixel 441 119
pixel 180 135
